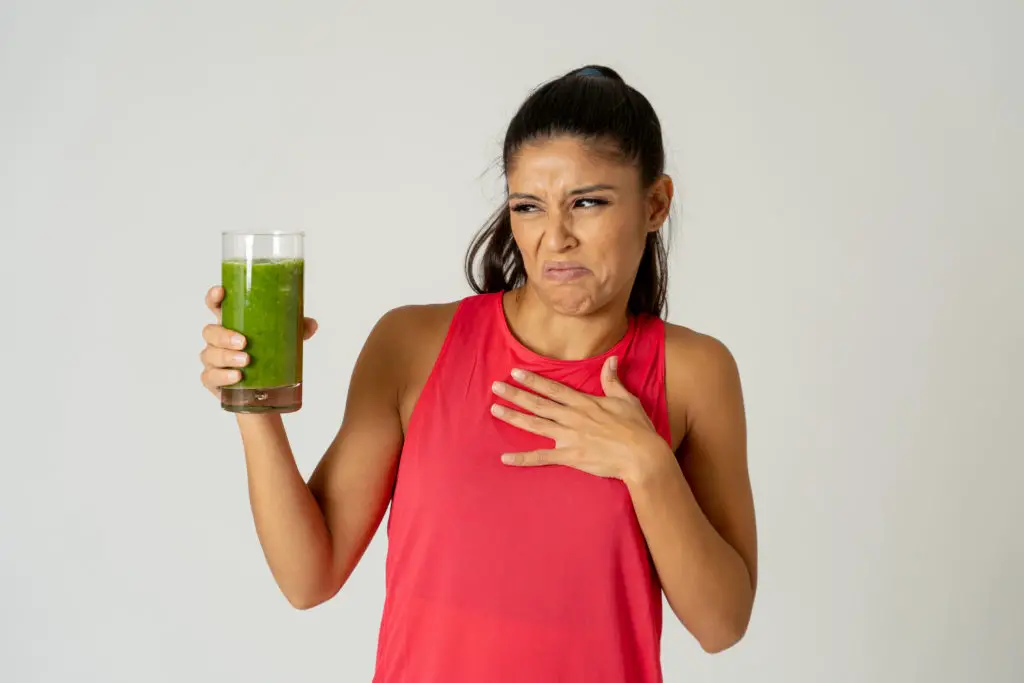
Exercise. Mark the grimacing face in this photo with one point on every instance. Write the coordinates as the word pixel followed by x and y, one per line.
pixel 580 219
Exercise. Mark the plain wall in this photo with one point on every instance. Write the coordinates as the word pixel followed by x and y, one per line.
pixel 850 184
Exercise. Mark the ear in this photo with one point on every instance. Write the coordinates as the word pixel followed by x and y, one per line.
pixel 659 202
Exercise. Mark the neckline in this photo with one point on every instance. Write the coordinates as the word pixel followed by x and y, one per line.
pixel 532 356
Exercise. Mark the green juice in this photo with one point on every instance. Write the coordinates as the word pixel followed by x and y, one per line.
pixel 263 301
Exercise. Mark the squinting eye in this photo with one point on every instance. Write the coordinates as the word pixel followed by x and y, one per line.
pixel 590 202
pixel 523 208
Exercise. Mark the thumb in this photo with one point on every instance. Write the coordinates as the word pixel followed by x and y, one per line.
pixel 610 379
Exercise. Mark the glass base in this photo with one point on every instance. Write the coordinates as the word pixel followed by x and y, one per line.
pixel 274 400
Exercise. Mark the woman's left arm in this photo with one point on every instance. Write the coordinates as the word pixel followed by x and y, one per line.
pixel 698 518
pixel 699 521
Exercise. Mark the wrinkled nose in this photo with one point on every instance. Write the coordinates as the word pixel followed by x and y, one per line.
pixel 559 237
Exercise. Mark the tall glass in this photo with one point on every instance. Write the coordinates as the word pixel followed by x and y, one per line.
pixel 263 279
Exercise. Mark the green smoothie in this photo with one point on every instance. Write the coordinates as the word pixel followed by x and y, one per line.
pixel 263 301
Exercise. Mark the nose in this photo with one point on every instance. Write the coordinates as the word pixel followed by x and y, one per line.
pixel 559 237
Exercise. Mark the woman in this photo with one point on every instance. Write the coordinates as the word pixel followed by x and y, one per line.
pixel 555 455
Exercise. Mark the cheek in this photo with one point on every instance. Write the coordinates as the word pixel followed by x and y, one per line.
pixel 618 246
pixel 527 237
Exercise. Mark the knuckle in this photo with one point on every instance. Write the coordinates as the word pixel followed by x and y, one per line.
pixel 532 401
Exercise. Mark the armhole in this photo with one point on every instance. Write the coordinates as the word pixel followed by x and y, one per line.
pixel 428 384
pixel 661 336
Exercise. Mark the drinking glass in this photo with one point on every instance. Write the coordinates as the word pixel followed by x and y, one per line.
pixel 263 279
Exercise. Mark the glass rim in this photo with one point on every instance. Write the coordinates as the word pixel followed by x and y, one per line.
pixel 273 233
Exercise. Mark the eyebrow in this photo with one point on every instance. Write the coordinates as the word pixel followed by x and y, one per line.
pixel 573 193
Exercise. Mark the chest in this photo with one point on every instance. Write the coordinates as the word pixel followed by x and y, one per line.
pixel 453 486
pixel 516 527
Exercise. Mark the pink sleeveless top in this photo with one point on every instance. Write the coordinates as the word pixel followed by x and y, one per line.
pixel 498 574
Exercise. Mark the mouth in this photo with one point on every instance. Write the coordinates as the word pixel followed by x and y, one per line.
pixel 564 271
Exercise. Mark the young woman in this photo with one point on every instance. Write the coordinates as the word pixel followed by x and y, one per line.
pixel 555 454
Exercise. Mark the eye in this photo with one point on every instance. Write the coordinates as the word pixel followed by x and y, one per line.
pixel 523 208
pixel 590 202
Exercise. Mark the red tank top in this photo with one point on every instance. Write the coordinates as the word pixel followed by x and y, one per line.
pixel 498 574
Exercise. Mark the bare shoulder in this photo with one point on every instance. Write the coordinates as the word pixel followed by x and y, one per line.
pixel 700 374
pixel 414 335
pixel 697 355
pixel 408 328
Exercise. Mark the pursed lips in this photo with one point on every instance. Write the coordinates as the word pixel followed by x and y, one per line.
pixel 563 271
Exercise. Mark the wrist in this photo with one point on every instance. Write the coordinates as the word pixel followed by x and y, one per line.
pixel 650 464
pixel 264 427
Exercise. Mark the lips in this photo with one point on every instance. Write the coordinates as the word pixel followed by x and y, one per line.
pixel 563 271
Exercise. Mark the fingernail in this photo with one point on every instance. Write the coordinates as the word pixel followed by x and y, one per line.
pixel 498 387
pixel 614 363
pixel 507 459
pixel 518 374
pixel 496 409
pixel 236 376
pixel 237 341
pixel 240 358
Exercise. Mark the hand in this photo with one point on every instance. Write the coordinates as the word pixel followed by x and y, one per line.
pixel 607 436
pixel 223 351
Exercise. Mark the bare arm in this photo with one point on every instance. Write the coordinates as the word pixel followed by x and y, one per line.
pixel 699 520
pixel 313 535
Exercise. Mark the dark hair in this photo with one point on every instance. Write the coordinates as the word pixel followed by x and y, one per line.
pixel 596 105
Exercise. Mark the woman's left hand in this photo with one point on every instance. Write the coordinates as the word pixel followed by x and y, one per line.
pixel 607 436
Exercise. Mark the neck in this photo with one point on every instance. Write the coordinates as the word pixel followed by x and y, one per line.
pixel 563 337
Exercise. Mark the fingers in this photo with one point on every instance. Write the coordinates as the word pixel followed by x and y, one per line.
pixel 538 405
pixel 549 388
pixel 528 423
pixel 214 297
pixel 539 458
pixel 215 378
pixel 310 326
pixel 610 380
pixel 222 354
pixel 215 357
pixel 219 367
pixel 215 335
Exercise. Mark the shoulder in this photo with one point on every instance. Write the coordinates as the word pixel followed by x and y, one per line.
pixel 701 373
pixel 409 339
pixel 417 319
pixel 406 330
pixel 695 354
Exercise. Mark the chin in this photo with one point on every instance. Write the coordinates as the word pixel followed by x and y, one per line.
pixel 569 300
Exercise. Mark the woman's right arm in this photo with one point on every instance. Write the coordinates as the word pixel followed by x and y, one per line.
pixel 313 534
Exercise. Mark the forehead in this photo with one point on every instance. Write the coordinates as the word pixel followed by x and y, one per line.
pixel 563 162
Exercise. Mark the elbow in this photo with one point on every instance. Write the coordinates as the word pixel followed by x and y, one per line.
pixel 308 597
pixel 728 631
pixel 719 644
pixel 302 601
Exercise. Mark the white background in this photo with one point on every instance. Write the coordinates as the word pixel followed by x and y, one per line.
pixel 850 180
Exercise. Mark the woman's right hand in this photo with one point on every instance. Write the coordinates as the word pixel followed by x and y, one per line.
pixel 223 354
